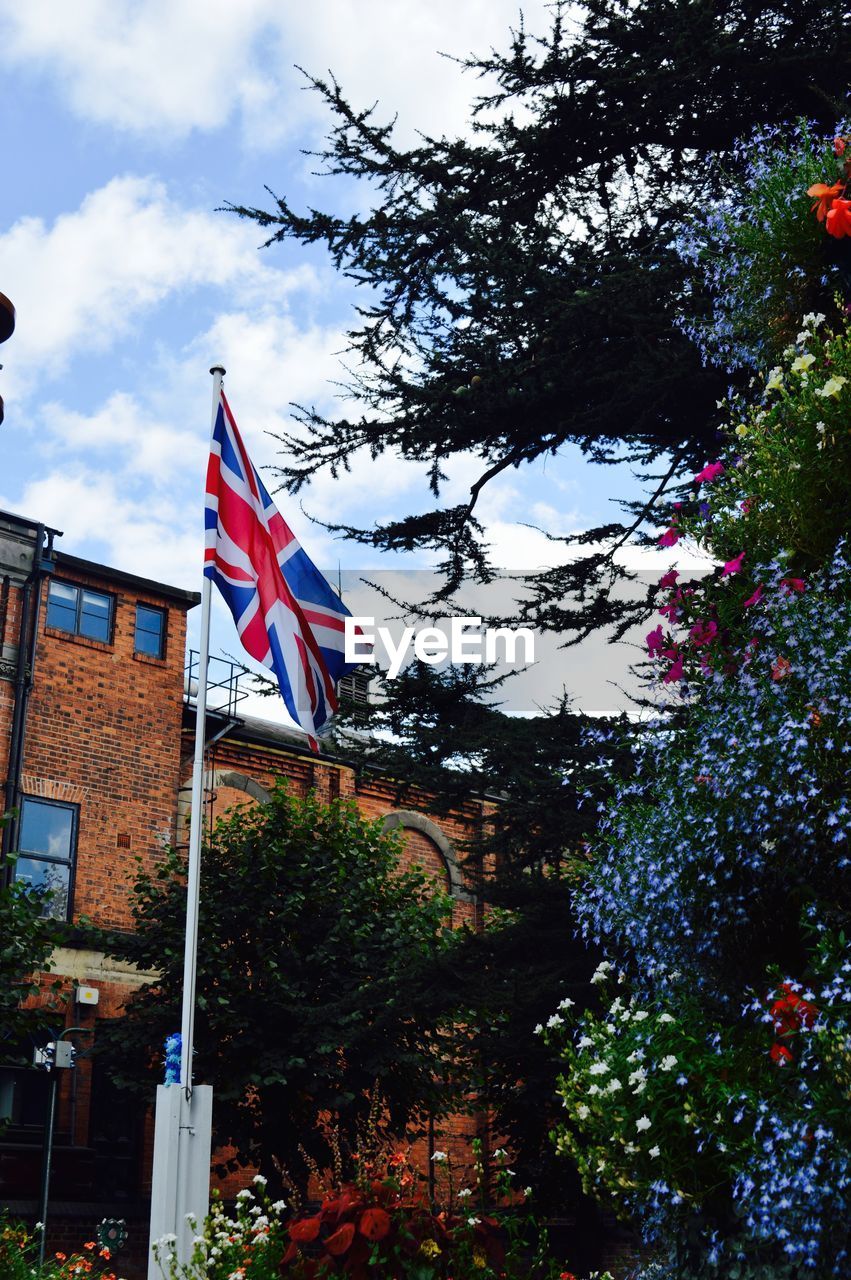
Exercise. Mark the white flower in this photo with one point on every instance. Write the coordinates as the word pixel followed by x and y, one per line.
pixel 630 1148
pixel 638 1075
pixel 653 1152
pixel 665 1017
pixel 566 1003
pixel 813 319
pixel 668 1062
pixel 585 1042
pixel 582 1111
pixel 439 1157
pixel 500 1153
pixel 539 1030
pixel 473 1222
pixel 639 1088
pixel 279 1206
pixel 593 1090
pixel 601 972
pixel 643 1123
pixel 464 1192
pixel 640 1015
pixel 775 379
pixel 39 1226
pixel 245 1194
pixel 555 1021
pixel 598 1069
pixel 803 363
pixel 259 1179
pixel 613 1085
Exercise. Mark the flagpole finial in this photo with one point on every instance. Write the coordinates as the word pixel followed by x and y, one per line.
pixel 218 368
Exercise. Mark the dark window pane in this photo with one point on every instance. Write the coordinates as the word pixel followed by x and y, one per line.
pixel 52 877
pixel 94 616
pixel 62 606
pixel 47 828
pixel 150 627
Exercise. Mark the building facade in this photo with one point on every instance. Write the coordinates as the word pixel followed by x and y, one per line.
pixel 96 734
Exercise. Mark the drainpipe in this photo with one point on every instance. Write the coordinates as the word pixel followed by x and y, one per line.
pixel 42 566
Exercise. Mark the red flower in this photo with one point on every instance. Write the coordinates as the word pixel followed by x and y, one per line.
pixel 791 1011
pixel 794 584
pixel 341 1239
pixel 669 538
pixel 734 565
pixel 710 472
pixel 839 146
pixel 780 1054
pixel 374 1224
pixel 838 221
pixel 668 579
pixel 755 598
pixel 824 197
pixel 306 1230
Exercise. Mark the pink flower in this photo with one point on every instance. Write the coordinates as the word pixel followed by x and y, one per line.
pixel 703 632
pixel 654 641
pixel 669 611
pixel 668 579
pixel 669 538
pixel 734 565
pixel 674 672
pixel 746 505
pixel 710 472
pixel 755 598
pixel 793 584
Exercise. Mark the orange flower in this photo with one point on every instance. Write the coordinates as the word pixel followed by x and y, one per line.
pixel 823 197
pixel 839 219
pixel 780 668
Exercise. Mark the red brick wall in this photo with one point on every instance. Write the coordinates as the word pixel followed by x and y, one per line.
pixel 103 732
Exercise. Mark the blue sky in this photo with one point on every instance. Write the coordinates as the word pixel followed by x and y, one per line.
pixel 125 125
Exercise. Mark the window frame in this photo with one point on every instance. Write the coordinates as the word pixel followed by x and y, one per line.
pixel 80 588
pixel 35 856
pixel 163 616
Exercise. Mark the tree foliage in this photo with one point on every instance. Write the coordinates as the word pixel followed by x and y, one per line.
pixel 523 282
pixel 314 947
pixel 435 735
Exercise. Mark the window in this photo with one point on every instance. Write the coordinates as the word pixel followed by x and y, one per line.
pixel 150 631
pixel 46 852
pixel 79 611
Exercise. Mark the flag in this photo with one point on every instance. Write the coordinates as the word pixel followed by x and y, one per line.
pixel 287 616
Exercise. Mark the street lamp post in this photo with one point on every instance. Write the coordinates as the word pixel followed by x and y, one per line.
pixel 56 1056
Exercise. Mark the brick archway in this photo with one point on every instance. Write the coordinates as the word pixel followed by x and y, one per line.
pixel 408 820
pixel 213 780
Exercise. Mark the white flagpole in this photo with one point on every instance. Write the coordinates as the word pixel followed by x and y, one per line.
pixel 196 817
pixel 180 1188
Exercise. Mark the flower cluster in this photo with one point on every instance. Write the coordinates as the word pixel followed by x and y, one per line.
pixel 781 492
pixel 759 254
pixel 19 1251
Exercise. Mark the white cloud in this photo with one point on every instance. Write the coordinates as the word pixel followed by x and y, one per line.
pixel 163 68
pixel 84 281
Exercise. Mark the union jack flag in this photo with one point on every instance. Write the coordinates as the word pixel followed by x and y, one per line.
pixel 287 615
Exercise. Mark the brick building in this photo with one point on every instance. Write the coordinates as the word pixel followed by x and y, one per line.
pixel 96 731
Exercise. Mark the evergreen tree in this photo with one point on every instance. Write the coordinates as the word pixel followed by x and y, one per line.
pixel 523 284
